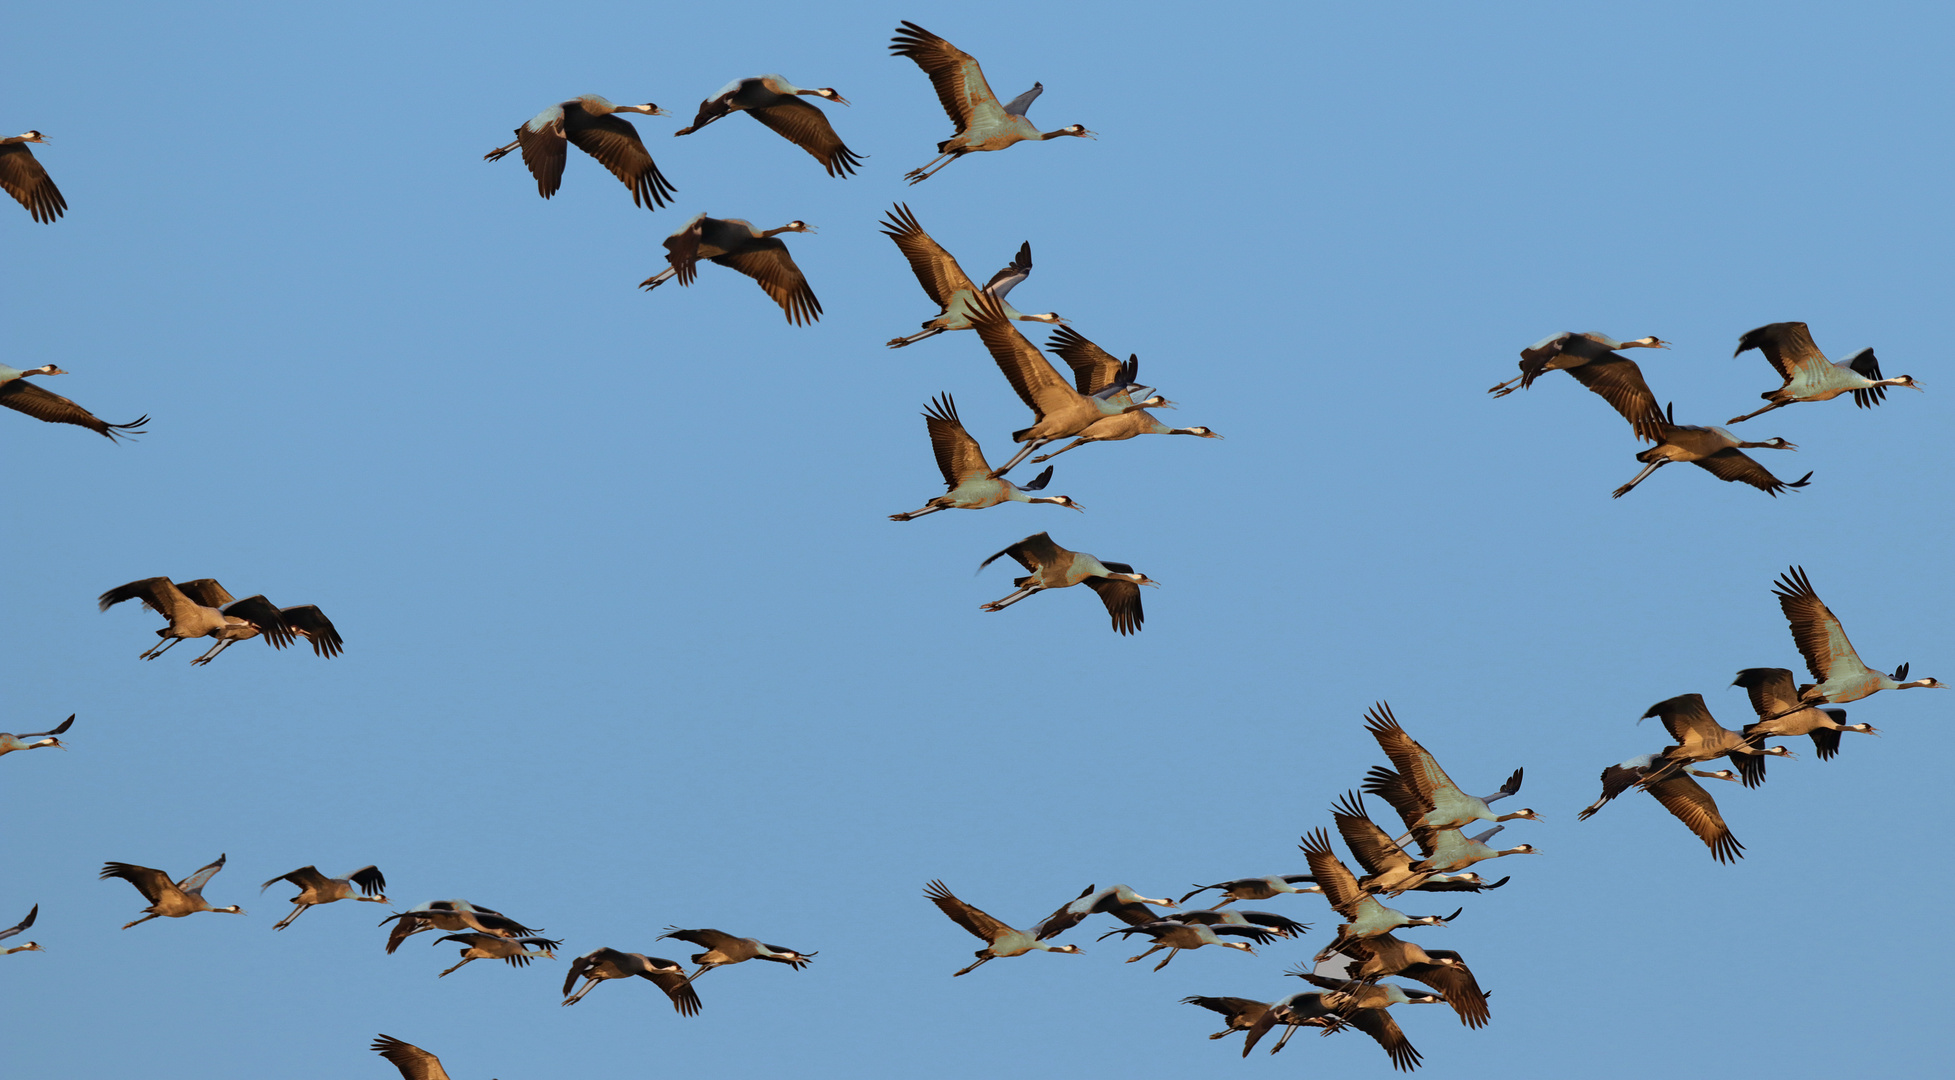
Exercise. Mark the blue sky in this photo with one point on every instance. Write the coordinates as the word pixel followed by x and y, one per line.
pixel 630 641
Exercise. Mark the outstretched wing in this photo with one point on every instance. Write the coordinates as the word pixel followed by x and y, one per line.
pixel 1620 383
pixel 264 615
pixel 807 127
pixel 1018 105
pixel 959 81
pixel 1094 369
pixel 542 143
pixel 1820 637
pixel 413 1062
pixel 1692 805
pixel 769 263
pixel 22 176
pixel 1031 553
pixel 305 877
pixel 1868 366
pixel 206 591
pixel 148 880
pixel 935 269
pixel 62 729
pixel 1339 885
pixel 202 877
pixel 1008 277
pixel 1037 383
pixel 370 880
pixel 959 457
pixel 24 396
pixel 963 914
pixel 309 621
pixel 616 146
pixel 22 924
pixel 1788 346
pixel 1732 463
pixel 1122 600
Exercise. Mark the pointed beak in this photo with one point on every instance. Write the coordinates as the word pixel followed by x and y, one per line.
pixel 1078 507
pixel 838 99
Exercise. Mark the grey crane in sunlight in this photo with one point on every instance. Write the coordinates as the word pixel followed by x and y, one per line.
pixel 737 245
pixel 999 939
pixel 413 1062
pixel 452 915
pixel 1054 567
pixel 302 620
pixel 203 608
pixel 1594 362
pixel 1306 1009
pixel 15 931
pixel 168 899
pixel 982 123
pixel 1058 410
pixel 1094 371
pixel 1364 915
pixel 1281 925
pixel 777 104
pixel 1119 901
pixel 18 394
pixel 946 283
pixel 1829 655
pixel 1244 1014
pixel 1809 376
pixel 1714 450
pixel 1176 936
pixel 1683 797
pixel 1420 790
pixel 723 948
pixel 968 477
pixel 316 888
pixel 1701 738
pixel 1775 699
pixel 600 964
pixel 592 124
pixel 516 952
pixel 35 740
pixel 1363 1006
pixel 23 177
pixel 1384 956
pixel 1388 868
pixel 1256 888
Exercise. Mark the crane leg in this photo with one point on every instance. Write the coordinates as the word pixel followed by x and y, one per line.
pixel 498 152
pixel 897 343
pixel 657 279
pixel 1497 391
pixel 579 995
pixel 917 176
pixel 1000 605
pixel 1145 955
pixel 1749 415
pixel 1020 456
pixel 1653 466
pixel 212 654
pixel 158 649
pixel 289 919
pixel 914 514
pixel 1061 450
pixel 980 963
pixel 140 921
pixel 457 967
pixel 1165 959
pixel 703 969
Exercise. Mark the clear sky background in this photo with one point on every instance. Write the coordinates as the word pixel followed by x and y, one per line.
pixel 630 641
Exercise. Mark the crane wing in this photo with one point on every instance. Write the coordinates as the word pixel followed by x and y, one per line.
pixel 22 924
pixel 1691 804
pixel 1732 463
pixel 706 939
pixel 1037 383
pixel 1407 756
pixel 202 877
pixel 413 1062
pixel 1455 983
pixel 1020 268
pixel 586 962
pixel 309 621
pixel 807 127
pixel 23 177
pixel 542 143
pixel 149 881
pixel 676 986
pixel 264 615
pixel 1018 105
pixel 1868 366
pixel 1686 718
pixel 1374 850
pixel 959 457
pixel 1031 553
pixel 935 269
pixel 1379 1024
pixel 768 263
pixel 1067 917
pixel 206 591
pixel 59 730
pixel 963 914
pixel 305 877
pixel 1620 383
pixel 959 81
pixel 23 396
pixel 616 146
pixel 1227 1006
pixel 369 879
pixel 1340 887
pixel 1788 346
pixel 1820 637
pixel 1122 600
pixel 1094 369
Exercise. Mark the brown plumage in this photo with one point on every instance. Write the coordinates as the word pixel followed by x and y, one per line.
pixel 589 122
pixel 23 177
pixel 18 394
pixel 1714 450
pixel 737 245
pixel 1054 567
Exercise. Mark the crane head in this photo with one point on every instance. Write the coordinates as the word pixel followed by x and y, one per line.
pixel 828 93
pixel 1650 342
pixel 33 136
pixel 1065 949
pixel 1078 130
pixel 45 369
pixel 647 108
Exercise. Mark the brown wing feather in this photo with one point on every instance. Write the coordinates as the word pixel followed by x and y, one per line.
pixel 1339 885
pixel 23 396
pixel 260 612
pixel 963 914
pixel 413 1062
pixel 769 264
pixel 1788 346
pixel 684 998
pixel 544 153
pixel 935 269
pixel 1379 1024
pixel 1037 383
pixel 1820 637
pixel 958 455
pixel 1094 369
pixel 309 621
pixel 1031 553
pixel 616 146
pixel 1407 756
pixel 22 176
pixel 1122 600
pixel 1693 806
pixel 807 127
pixel 1620 383
pixel 959 81
pixel 148 880
pixel 1455 982
pixel 1732 463
pixel 206 591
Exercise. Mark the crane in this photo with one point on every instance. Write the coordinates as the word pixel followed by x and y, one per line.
pixel 303 620
pixel 513 951
pixel 777 104
pixel 413 1062
pixel 1280 925
pixel 723 948
pixel 999 940
pixel 317 888
pixel 22 176
pixel 591 124
pixel 971 483
pixel 1683 797
pixel 1297 1010
pixel 1095 370
pixel 1829 655
pixel 15 929
pixel 600 964
pixel 946 283
pixel 1120 901
pixel 1701 738
pixel 1054 567
pixel 1379 957
pixel 18 394
pixel 1245 1014
pixel 1176 936
pixel 737 245
pixel 1713 449
pixel 451 915
pixel 10 742
pixel 1256 888
pixel 1808 375
pixel 1420 790
pixel 1776 701
pixel 168 899
pixel 1594 362
pixel 1363 1007
pixel 1364 915
pixel 982 123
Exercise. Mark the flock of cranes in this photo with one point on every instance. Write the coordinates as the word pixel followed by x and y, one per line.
pixel 1596 361
pixel 1102 401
